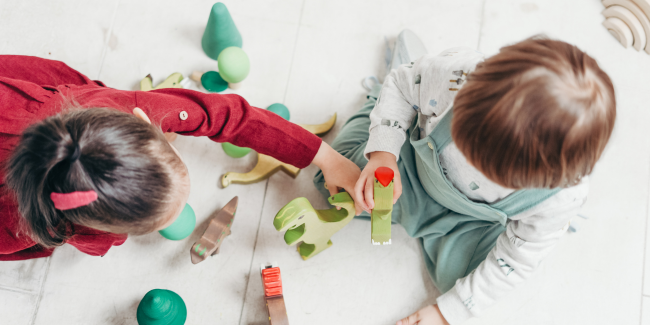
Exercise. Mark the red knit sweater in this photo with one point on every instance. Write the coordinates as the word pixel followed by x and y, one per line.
pixel 31 89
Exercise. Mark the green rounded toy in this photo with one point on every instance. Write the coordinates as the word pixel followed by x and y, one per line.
pixel 233 64
pixel 161 307
pixel 234 151
pixel 213 82
pixel 182 227
pixel 281 110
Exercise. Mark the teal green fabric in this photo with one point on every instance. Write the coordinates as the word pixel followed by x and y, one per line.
pixel 456 233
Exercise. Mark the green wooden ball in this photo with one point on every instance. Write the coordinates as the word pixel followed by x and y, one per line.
pixel 182 227
pixel 233 64
pixel 234 151
pixel 281 110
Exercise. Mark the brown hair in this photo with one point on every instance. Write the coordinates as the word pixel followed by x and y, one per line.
pixel 127 161
pixel 536 115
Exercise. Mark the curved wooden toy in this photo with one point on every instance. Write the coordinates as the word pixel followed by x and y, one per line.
pixel 267 166
pixel 313 227
pixel 381 216
pixel 218 229
pixel 173 81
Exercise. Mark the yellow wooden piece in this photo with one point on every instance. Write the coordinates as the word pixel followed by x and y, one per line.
pixel 173 81
pixel 266 166
pixel 313 228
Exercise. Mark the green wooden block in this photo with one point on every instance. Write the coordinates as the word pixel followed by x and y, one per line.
pixel 380 218
pixel 313 228
pixel 220 33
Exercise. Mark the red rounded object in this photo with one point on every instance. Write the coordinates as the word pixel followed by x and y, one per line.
pixel 384 175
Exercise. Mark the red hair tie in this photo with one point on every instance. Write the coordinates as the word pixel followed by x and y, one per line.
pixel 67 201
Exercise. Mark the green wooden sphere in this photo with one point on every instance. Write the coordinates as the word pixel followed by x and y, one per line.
pixel 213 82
pixel 281 110
pixel 161 307
pixel 233 64
pixel 182 227
pixel 234 151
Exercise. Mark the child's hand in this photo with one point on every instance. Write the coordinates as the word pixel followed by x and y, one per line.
pixel 429 315
pixel 365 185
pixel 338 171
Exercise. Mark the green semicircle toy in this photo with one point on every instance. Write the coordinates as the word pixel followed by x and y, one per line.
pixel 234 151
pixel 182 227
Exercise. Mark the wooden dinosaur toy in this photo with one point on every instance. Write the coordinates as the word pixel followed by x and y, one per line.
pixel 272 282
pixel 218 229
pixel 380 218
pixel 313 228
pixel 267 166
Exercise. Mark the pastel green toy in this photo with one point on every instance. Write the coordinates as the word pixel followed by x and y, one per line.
pixel 182 227
pixel 213 82
pixel 281 110
pixel 161 307
pixel 173 81
pixel 234 151
pixel 220 33
pixel 313 227
pixel 380 218
pixel 233 65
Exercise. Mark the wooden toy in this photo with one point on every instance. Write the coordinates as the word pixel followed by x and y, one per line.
pixel 380 218
pixel 628 21
pixel 272 282
pixel 220 33
pixel 234 151
pixel 218 229
pixel 173 81
pixel 161 307
pixel 234 66
pixel 313 228
pixel 267 166
pixel 213 82
pixel 182 227
pixel 280 109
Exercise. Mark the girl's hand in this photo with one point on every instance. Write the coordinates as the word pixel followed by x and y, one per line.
pixel 364 189
pixel 338 171
pixel 429 315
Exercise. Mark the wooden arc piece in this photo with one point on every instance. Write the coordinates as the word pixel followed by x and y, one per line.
pixel 638 13
pixel 218 229
pixel 631 21
pixel 645 7
pixel 619 30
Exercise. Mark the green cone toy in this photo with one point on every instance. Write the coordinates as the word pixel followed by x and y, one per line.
pixel 161 307
pixel 220 33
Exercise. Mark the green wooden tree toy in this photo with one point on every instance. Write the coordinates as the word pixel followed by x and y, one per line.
pixel 161 307
pixel 380 218
pixel 220 33
pixel 313 227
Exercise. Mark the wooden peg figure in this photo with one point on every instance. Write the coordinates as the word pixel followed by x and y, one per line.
pixel 272 282
pixel 313 227
pixel 218 229
pixel 380 218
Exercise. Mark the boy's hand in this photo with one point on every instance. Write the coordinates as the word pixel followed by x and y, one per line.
pixel 365 185
pixel 429 315
pixel 338 171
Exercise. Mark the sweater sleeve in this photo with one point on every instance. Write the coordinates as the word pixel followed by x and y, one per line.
pixel 229 118
pixel 528 239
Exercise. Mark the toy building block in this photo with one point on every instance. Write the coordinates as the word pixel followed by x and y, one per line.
pixel 380 218
pixel 220 33
pixel 218 229
pixel 267 166
pixel 272 282
pixel 161 306
pixel 234 66
pixel 313 228
pixel 173 81
pixel 624 17
pixel 182 227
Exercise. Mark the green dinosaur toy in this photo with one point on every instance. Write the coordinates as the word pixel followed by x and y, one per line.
pixel 380 218
pixel 313 227
pixel 173 81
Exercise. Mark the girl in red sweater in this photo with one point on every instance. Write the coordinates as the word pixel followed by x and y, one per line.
pixel 86 165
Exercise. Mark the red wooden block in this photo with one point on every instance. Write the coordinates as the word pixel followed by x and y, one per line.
pixel 384 175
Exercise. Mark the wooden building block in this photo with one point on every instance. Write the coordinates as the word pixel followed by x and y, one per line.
pixel 381 216
pixel 637 11
pixel 313 228
pixel 631 21
pixel 218 229
pixel 272 283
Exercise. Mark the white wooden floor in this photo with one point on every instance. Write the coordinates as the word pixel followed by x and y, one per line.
pixel 311 55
